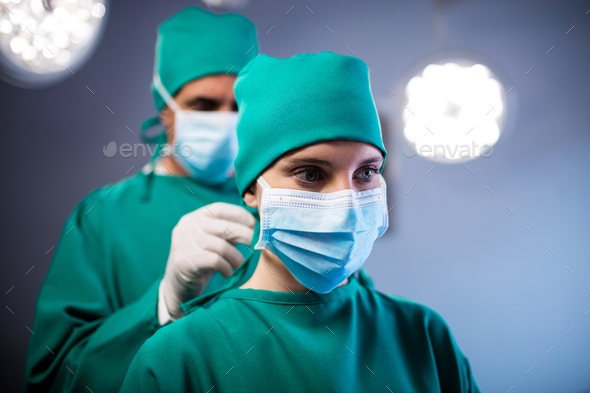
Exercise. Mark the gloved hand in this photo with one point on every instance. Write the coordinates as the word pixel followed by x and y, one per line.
pixel 202 243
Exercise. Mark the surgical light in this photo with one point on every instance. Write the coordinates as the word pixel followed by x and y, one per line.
pixel 41 41
pixel 454 110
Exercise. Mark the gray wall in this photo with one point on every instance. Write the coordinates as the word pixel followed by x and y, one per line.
pixel 454 245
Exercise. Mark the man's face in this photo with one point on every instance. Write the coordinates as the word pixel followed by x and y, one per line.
pixel 209 93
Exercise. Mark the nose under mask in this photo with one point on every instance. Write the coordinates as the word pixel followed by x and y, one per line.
pixel 322 238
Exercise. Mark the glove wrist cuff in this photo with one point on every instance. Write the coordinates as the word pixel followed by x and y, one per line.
pixel 164 316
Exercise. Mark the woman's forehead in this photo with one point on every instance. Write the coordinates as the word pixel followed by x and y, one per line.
pixel 334 152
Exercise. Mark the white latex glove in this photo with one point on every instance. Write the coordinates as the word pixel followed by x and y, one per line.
pixel 202 243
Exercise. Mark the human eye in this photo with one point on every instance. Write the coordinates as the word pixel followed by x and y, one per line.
pixel 309 175
pixel 205 105
pixel 366 174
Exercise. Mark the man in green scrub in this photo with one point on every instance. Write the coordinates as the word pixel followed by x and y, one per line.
pixel 310 155
pixel 125 262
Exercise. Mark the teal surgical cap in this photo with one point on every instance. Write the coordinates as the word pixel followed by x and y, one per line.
pixel 289 103
pixel 196 43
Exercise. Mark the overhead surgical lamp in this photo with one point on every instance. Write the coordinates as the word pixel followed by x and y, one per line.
pixel 453 104
pixel 454 110
pixel 44 41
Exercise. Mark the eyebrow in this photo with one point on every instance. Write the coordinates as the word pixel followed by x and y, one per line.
pixel 317 161
pixel 371 160
pixel 309 160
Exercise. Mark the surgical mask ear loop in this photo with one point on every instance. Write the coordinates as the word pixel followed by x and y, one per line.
pixel 165 95
pixel 263 183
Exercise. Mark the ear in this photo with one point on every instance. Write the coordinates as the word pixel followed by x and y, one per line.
pixel 166 116
pixel 250 196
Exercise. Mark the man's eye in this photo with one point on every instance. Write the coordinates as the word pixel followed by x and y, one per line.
pixel 203 105
pixel 308 175
pixel 366 174
pixel 206 106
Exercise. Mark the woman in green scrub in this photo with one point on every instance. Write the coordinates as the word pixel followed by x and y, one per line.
pixel 124 262
pixel 309 160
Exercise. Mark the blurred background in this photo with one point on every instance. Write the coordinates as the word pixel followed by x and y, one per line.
pixel 498 245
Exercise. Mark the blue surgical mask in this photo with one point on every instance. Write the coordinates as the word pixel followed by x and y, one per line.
pixel 205 143
pixel 322 238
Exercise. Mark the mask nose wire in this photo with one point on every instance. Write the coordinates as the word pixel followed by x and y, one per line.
pixel 165 95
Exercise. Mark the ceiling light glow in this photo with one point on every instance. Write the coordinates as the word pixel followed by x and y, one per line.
pixel 454 111
pixel 38 44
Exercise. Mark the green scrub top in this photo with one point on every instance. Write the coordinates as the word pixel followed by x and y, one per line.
pixel 353 339
pixel 98 303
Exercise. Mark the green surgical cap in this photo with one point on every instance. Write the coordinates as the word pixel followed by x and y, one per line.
pixel 196 43
pixel 289 103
